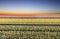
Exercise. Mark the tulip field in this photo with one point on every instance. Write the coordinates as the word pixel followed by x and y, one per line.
pixel 29 28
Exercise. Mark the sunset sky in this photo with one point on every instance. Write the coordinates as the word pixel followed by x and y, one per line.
pixel 29 7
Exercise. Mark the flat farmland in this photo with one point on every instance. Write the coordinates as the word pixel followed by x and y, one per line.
pixel 29 28
pixel 29 20
pixel 29 32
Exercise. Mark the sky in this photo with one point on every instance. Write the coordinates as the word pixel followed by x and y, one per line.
pixel 21 7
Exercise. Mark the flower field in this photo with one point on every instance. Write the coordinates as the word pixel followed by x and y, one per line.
pixel 28 20
pixel 23 28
